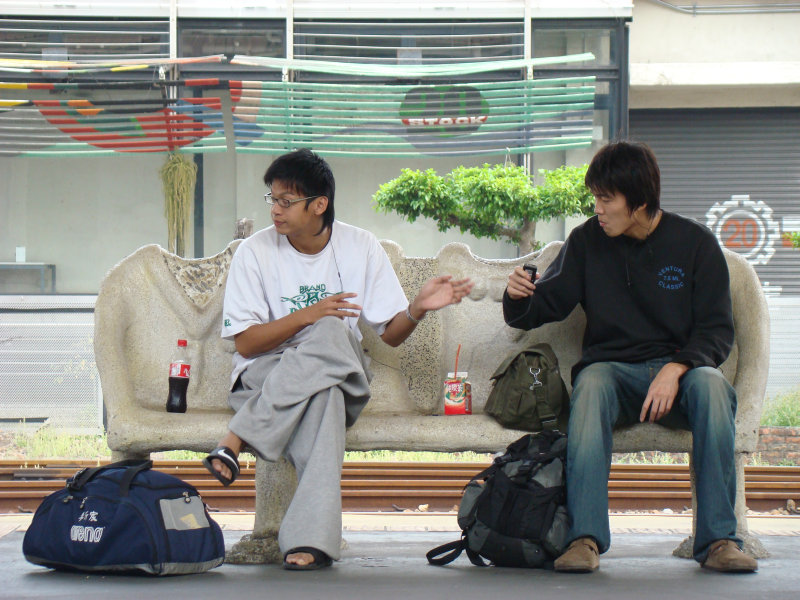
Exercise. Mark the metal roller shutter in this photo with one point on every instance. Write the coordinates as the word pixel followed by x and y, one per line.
pixel 738 171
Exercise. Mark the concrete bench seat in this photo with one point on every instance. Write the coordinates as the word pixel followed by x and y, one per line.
pixel 152 298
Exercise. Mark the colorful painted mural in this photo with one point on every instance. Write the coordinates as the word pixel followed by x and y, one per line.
pixel 91 117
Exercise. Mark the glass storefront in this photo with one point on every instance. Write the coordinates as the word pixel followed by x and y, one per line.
pixel 77 214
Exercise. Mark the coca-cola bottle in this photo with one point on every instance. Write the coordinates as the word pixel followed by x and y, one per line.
pixel 178 379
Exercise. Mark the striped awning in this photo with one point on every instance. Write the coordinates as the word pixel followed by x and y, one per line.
pixel 506 116
pixel 411 120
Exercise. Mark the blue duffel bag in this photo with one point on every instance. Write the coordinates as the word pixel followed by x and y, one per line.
pixel 125 517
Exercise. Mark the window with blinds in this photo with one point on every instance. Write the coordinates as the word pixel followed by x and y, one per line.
pixel 253 37
pixel 409 42
pixel 83 39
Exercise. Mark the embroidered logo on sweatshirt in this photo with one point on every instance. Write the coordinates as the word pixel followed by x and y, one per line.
pixel 671 278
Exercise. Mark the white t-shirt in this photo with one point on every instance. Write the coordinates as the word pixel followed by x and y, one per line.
pixel 270 279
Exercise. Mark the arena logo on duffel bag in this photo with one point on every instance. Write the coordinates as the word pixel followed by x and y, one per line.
pixel 91 535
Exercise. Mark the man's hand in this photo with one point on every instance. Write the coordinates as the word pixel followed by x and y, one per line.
pixel 435 294
pixel 520 284
pixel 439 292
pixel 261 338
pixel 332 306
pixel 662 392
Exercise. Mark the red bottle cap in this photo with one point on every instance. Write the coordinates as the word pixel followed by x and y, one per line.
pixel 181 343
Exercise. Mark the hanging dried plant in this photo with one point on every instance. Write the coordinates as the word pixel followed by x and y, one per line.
pixel 178 177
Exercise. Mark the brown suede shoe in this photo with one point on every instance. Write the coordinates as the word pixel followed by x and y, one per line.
pixel 580 557
pixel 725 556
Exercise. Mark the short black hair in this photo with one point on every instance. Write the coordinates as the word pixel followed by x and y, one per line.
pixel 628 168
pixel 308 174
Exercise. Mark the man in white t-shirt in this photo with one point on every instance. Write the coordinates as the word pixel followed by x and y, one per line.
pixel 294 296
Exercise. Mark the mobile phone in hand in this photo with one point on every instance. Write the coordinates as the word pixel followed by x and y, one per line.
pixel 530 270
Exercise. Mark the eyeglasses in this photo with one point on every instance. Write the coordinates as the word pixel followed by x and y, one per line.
pixel 285 202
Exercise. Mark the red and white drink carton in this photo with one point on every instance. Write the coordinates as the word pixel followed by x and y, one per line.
pixel 457 394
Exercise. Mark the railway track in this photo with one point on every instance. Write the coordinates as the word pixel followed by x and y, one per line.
pixel 373 486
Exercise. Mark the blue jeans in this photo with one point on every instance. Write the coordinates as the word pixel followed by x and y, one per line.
pixel 610 394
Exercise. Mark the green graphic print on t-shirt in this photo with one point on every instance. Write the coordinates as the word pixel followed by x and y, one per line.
pixel 308 295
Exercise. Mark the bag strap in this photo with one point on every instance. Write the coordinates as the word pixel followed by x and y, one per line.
pixel 550 516
pixel 454 548
pixel 518 448
pixel 546 415
pixel 490 470
pixel 132 466
pixel 130 473
pixel 545 350
pixel 537 348
pixel 475 558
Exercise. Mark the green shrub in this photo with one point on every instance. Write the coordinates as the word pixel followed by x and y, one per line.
pixel 782 411
pixel 399 456
pixel 49 443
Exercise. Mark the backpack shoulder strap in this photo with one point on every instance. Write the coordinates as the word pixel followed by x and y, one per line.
pixel 475 558
pixel 454 550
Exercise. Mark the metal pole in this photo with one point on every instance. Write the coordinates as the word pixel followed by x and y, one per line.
pixel 527 45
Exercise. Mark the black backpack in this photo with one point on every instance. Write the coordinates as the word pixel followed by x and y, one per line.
pixel 528 392
pixel 514 513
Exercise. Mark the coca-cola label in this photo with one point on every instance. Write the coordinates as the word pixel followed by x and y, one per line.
pixel 179 370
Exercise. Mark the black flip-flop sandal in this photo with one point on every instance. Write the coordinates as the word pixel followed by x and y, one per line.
pixel 228 458
pixel 321 559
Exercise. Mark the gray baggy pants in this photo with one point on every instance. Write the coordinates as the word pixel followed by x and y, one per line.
pixel 298 404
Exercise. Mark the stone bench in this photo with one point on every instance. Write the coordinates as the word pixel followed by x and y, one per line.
pixel 152 298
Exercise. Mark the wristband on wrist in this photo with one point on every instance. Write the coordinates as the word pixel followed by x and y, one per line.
pixel 410 318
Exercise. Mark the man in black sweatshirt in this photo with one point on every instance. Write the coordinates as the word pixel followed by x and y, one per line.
pixel 656 293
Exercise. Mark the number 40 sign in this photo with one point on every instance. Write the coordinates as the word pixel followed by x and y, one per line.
pixel 746 227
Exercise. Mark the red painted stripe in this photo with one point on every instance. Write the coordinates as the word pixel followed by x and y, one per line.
pixel 236 91
pixel 128 144
pixel 154 118
pixel 41 86
pixel 173 120
pixel 151 138
pixel 209 81
pixel 207 102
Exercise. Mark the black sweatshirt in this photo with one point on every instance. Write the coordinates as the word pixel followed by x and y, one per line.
pixel 666 296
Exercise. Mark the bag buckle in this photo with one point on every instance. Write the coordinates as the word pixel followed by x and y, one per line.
pixel 72 482
pixel 525 468
pixel 535 374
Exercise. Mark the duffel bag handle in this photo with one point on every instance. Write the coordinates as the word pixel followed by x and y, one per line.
pixel 132 468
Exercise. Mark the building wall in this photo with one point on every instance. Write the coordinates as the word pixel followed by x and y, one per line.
pixel 86 214
pixel 234 189
pixel 83 215
pixel 744 69
pixel 713 60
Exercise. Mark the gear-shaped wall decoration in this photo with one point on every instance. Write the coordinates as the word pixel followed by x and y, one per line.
pixel 746 227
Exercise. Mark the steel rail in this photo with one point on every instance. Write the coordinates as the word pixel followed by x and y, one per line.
pixel 377 486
